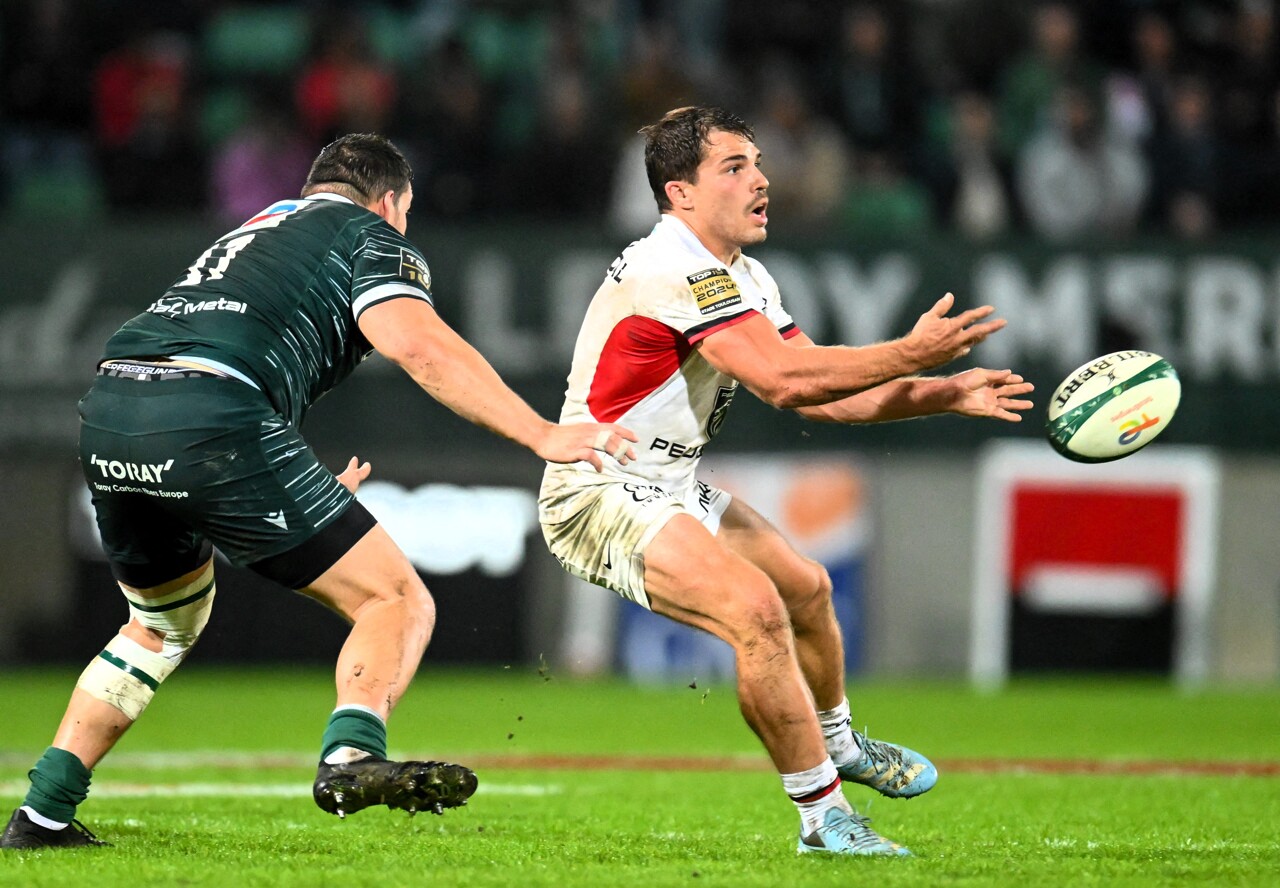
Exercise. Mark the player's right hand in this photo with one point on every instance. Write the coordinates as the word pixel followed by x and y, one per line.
pixel 937 339
pixel 353 474
pixel 585 441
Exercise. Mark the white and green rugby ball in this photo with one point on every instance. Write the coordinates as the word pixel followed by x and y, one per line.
pixel 1112 406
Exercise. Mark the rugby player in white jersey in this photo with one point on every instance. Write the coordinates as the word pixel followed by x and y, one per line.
pixel 683 318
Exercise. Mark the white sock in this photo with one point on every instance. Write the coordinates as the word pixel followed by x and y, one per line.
pixel 815 792
pixel 40 820
pixel 344 755
pixel 837 730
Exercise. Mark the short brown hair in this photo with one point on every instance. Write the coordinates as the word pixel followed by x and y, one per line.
pixel 676 145
pixel 361 166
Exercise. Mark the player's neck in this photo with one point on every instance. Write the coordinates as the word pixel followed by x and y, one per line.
pixel 726 251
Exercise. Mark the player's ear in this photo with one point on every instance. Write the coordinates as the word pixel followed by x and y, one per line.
pixel 387 204
pixel 680 194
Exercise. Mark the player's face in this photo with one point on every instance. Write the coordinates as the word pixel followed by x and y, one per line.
pixel 730 197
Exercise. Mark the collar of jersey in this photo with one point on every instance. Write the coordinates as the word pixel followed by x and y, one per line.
pixel 685 235
pixel 329 195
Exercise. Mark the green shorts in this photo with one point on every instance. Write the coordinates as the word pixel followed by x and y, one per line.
pixel 177 464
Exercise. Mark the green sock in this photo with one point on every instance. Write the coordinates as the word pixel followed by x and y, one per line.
pixel 59 782
pixel 357 728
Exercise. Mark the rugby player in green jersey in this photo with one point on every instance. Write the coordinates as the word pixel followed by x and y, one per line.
pixel 189 439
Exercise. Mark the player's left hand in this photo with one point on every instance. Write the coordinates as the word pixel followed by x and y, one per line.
pixel 992 393
pixel 353 474
pixel 585 441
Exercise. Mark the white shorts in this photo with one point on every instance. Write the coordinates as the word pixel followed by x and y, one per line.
pixel 601 527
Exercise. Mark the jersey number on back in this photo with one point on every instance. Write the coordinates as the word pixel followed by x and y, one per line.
pixel 213 262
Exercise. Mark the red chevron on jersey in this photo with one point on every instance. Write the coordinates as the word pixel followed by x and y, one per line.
pixel 636 360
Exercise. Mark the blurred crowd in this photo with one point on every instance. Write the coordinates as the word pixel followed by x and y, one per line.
pixel 981 117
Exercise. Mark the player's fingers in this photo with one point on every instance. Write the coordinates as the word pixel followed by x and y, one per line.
pixel 973 315
pixel 613 444
pixel 594 458
pixel 353 474
pixel 1007 416
pixel 979 332
pixel 942 306
pixel 623 452
pixel 623 432
pixel 1016 404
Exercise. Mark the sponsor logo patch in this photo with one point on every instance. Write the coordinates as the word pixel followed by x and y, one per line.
pixel 175 306
pixel 724 397
pixel 713 289
pixel 412 268
pixel 148 473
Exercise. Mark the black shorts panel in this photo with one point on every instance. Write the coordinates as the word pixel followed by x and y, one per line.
pixel 176 464
pixel 301 566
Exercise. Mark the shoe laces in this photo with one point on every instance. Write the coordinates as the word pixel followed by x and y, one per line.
pixel 858 830
pixel 86 832
pixel 879 754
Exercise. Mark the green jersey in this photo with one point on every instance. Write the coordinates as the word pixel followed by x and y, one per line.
pixel 276 302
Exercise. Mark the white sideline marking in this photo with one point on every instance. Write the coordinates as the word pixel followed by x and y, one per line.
pixel 247 790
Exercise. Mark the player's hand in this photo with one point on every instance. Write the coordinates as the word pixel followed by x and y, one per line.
pixel 353 474
pixel 992 393
pixel 937 339
pixel 585 441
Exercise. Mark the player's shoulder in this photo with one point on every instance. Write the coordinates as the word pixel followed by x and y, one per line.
pixel 668 257
pixel 753 265
pixel 755 269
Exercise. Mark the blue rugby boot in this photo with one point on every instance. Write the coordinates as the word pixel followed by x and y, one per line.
pixel 848 833
pixel 889 769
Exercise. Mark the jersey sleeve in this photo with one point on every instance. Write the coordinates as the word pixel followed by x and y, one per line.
pixel 697 303
pixel 386 266
pixel 773 308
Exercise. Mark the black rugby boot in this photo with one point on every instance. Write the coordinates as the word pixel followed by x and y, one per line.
pixel 22 833
pixel 409 786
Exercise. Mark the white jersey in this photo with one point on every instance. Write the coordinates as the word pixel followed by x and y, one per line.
pixel 635 361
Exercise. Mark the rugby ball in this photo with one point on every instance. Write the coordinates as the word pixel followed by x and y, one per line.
pixel 1112 406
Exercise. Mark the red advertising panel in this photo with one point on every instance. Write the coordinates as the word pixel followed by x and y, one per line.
pixel 1093 567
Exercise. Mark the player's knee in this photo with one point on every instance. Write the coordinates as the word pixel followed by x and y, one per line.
pixel 150 639
pixel 814 595
pixel 179 617
pixel 420 606
pixel 160 634
pixel 413 603
pixel 759 620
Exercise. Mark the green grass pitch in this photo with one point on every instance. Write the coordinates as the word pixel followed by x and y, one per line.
pixel 606 784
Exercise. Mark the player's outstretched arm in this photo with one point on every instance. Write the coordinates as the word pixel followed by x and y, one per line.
pixel 977 392
pixel 409 333
pixel 787 376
